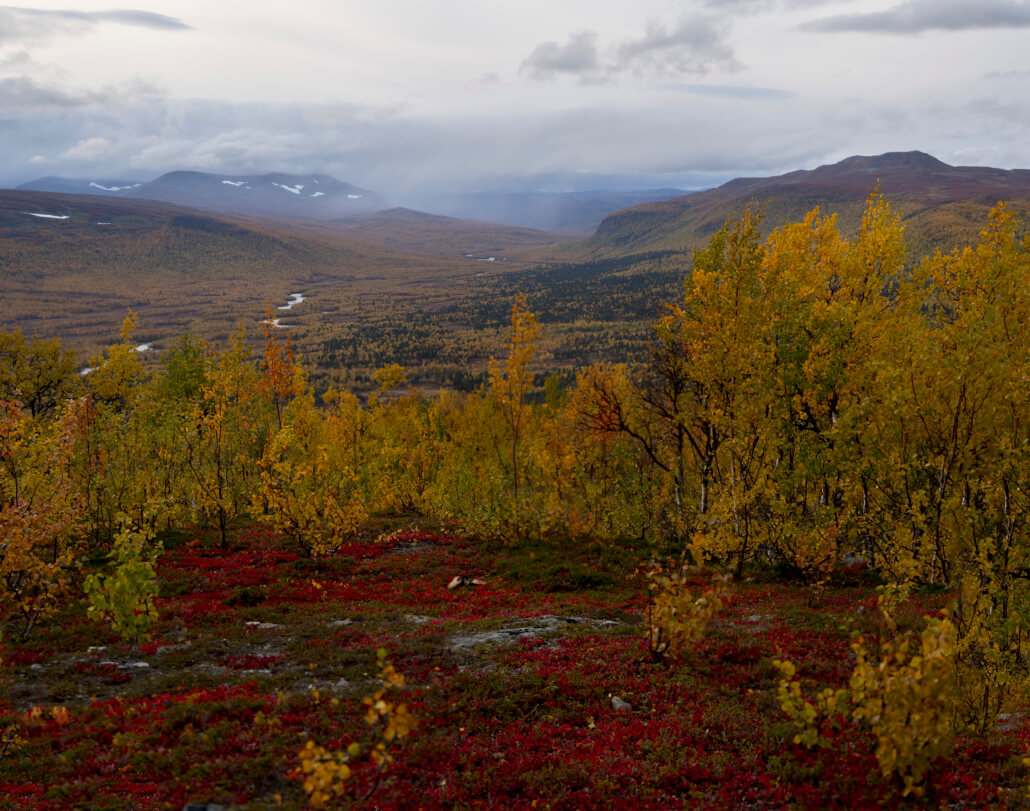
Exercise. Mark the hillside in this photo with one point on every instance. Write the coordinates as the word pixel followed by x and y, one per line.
pixel 71 265
pixel 941 205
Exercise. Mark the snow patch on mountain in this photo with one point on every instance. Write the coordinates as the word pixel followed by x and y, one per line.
pixel 236 183
pixel 292 189
pixel 47 216
pixel 95 185
pixel 318 193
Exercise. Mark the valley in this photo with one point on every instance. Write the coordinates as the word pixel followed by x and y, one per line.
pixel 429 292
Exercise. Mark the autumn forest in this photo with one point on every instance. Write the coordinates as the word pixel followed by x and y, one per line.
pixel 771 551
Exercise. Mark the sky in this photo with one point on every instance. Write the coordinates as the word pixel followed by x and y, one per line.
pixel 404 96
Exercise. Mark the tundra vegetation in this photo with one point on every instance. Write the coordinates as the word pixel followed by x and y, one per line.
pixel 782 560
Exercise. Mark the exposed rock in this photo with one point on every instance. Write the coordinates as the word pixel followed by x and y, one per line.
pixel 533 627
pixel 1010 721
pixel 458 580
pixel 620 705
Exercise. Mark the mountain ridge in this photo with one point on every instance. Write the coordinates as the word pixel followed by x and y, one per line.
pixel 272 194
pixel 941 205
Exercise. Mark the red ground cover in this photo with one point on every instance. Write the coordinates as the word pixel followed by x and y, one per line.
pixel 259 650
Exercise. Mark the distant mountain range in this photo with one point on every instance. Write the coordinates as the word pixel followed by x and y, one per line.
pixel 276 196
pixel 940 205
pixel 321 197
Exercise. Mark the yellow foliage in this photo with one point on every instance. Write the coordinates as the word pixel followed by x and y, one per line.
pixel 224 434
pixel 326 772
pixel 40 513
pixel 509 385
pixel 115 377
pixel 308 488
pixel 676 618
pixel 805 714
pixel 906 697
pixel 907 700
pixel 389 377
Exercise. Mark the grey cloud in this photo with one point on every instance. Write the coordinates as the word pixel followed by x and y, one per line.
pixel 696 45
pixel 148 136
pixel 578 57
pixel 733 92
pixel 919 16
pixel 17 61
pixel 28 24
pixel 30 96
pixel 668 141
pixel 1008 74
pixel 23 93
pixel 743 5
pixel 127 16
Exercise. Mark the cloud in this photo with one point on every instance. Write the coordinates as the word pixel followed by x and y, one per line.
pixel 737 6
pixel 919 16
pixel 578 57
pixel 87 150
pixel 1008 74
pixel 24 93
pixel 147 136
pixel 733 92
pixel 699 138
pixel 696 45
pixel 28 24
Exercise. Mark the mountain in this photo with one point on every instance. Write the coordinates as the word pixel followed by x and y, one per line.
pixel 65 185
pixel 566 212
pixel 275 195
pixel 941 205
pixel 280 196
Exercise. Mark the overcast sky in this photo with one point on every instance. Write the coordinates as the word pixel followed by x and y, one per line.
pixel 404 94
